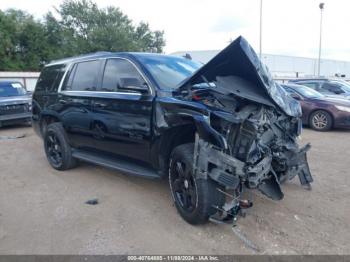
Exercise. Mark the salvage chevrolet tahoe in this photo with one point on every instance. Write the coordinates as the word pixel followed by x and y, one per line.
pixel 214 130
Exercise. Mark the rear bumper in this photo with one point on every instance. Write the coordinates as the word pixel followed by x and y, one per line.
pixel 19 117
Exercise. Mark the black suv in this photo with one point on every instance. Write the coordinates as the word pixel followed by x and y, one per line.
pixel 214 130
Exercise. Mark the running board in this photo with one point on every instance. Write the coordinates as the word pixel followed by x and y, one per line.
pixel 121 165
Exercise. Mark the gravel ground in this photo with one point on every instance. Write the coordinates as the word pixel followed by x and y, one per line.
pixel 43 211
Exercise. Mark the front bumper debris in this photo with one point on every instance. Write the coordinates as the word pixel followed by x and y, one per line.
pixel 234 175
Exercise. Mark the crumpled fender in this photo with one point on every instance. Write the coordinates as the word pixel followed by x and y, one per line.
pixel 208 134
pixel 170 113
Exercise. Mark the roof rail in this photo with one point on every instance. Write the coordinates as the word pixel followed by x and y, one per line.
pixel 79 56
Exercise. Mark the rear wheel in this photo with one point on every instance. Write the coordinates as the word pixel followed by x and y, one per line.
pixel 321 120
pixel 57 149
pixel 194 198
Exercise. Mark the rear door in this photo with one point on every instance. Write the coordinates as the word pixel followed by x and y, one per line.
pixel 122 117
pixel 75 100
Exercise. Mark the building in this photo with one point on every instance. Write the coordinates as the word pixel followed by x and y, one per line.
pixel 28 79
pixel 282 66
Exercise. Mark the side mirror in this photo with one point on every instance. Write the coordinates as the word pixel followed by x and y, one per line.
pixel 133 84
pixel 296 96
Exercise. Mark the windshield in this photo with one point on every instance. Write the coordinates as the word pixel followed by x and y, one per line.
pixel 169 71
pixel 12 89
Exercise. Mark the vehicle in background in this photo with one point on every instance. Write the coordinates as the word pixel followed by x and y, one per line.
pixel 328 87
pixel 15 103
pixel 320 112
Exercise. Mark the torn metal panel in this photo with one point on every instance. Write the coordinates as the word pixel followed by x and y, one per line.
pixel 239 60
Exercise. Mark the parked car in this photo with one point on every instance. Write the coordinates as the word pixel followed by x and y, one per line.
pixel 212 129
pixel 320 112
pixel 328 87
pixel 15 103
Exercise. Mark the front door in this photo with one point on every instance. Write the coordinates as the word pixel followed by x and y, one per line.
pixel 122 115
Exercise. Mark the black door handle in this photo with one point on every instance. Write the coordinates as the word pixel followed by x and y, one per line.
pixel 62 101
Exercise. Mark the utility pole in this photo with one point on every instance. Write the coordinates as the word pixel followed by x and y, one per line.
pixel 260 44
pixel 321 6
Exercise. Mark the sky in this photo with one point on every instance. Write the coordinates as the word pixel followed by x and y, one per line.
pixel 289 27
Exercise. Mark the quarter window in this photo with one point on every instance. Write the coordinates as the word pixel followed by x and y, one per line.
pixel 118 73
pixel 50 78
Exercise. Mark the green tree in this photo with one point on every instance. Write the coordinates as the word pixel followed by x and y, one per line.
pixel 77 27
pixel 22 41
pixel 88 29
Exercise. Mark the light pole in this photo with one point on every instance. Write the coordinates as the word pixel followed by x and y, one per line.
pixel 261 5
pixel 321 6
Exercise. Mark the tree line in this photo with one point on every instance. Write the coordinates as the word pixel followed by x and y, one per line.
pixel 75 27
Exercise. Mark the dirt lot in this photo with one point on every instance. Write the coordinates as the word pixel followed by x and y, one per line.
pixel 42 211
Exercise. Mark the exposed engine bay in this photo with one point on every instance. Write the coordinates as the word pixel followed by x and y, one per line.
pixel 258 124
pixel 262 150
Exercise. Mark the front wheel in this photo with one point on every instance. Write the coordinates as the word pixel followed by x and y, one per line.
pixel 195 199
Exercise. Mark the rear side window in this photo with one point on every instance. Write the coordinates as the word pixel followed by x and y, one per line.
pixel 333 88
pixel 117 72
pixel 83 76
pixel 50 78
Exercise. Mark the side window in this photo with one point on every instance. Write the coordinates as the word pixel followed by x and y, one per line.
pixel 83 76
pixel 333 88
pixel 119 73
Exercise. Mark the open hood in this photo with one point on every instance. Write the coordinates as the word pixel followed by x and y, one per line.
pixel 239 60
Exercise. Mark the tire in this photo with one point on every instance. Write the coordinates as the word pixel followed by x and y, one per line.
pixel 57 148
pixel 321 121
pixel 194 199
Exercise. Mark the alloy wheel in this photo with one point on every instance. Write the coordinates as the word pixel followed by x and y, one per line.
pixel 184 187
pixel 54 149
pixel 319 121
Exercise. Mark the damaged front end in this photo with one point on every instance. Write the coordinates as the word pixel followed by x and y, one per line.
pixel 261 154
pixel 255 122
